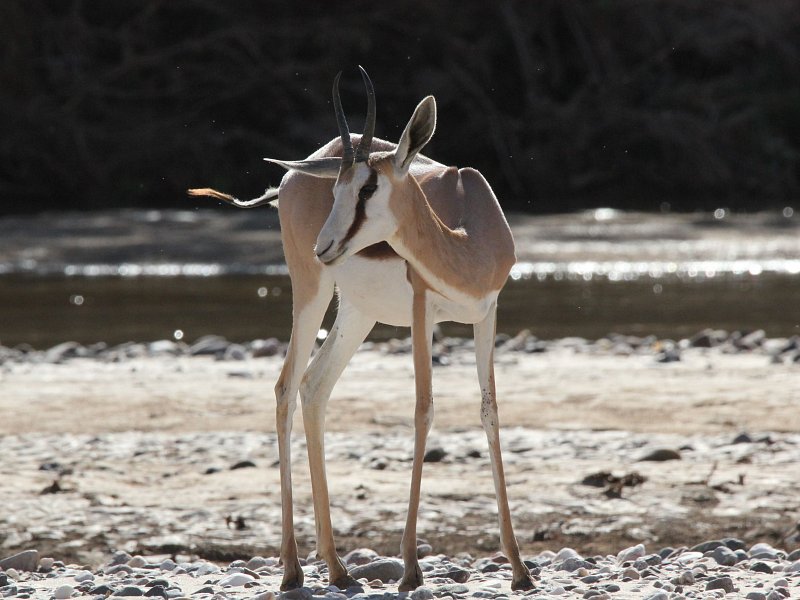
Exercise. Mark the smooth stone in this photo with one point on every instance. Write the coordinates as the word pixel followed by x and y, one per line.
pixel 434 455
pixel 119 557
pixel 422 593
pixel 236 579
pixel 665 552
pixel 235 352
pixel 209 344
pixel 721 583
pixel 572 564
pixel 167 565
pixel 762 549
pixel 157 591
pixel 63 591
pixel 137 562
pixel 631 554
pixel 83 576
pixel 256 563
pixel 761 567
pixel 206 569
pixel 685 578
pixel 385 570
pixel 707 546
pixel 566 553
pixel 658 596
pixel 734 543
pixel 724 556
pixel 164 347
pixel 101 590
pixel 27 560
pixel 687 557
pixel 129 590
pixel 458 575
pixel 45 564
pixel 793 568
pixel 360 556
pixel 756 596
pixel 302 593
pixel 119 569
pixel 451 589
pixel 262 348
pixel 631 573
pixel 661 455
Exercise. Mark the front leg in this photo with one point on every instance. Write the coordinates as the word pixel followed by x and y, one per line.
pixel 422 340
pixel 484 354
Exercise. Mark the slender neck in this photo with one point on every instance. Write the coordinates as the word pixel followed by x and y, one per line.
pixel 446 259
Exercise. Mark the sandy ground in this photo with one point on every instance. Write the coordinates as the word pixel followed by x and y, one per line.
pixel 137 455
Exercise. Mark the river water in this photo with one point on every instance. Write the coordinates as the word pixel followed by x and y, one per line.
pixel 147 275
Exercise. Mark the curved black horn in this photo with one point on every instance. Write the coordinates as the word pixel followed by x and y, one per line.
pixel 362 154
pixel 344 131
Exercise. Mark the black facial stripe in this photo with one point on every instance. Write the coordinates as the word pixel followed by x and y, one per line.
pixel 364 194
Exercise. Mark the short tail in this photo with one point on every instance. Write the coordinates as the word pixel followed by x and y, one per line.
pixel 269 197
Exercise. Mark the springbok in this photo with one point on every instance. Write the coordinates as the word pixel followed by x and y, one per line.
pixel 408 242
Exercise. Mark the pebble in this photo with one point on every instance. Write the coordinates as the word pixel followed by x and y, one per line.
pixel 257 562
pixel 63 591
pixel 385 570
pixel 422 593
pixel 137 562
pixel 27 560
pixel 236 579
pixel 761 567
pixel 129 590
pixel 721 583
pixel 81 576
pixel 724 556
pixel 630 573
pixel 360 556
pixel 631 554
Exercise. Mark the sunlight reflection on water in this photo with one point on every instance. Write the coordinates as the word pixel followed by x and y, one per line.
pixel 586 270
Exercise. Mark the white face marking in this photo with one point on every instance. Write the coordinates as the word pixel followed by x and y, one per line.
pixel 359 218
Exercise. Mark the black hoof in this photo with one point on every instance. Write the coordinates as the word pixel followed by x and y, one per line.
pixel 411 580
pixel 345 581
pixel 523 584
pixel 292 577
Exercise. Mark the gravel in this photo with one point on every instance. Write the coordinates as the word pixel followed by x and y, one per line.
pixel 683 574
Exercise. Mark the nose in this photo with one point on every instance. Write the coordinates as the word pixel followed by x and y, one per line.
pixel 328 247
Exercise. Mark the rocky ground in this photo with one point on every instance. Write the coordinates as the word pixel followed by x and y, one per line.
pixel 670 467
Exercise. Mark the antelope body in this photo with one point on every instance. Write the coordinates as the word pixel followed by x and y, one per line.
pixel 408 242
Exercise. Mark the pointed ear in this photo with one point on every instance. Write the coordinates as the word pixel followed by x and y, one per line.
pixel 326 167
pixel 417 133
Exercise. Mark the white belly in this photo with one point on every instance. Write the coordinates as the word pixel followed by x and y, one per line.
pixel 381 290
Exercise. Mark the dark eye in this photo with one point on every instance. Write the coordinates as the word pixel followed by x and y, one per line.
pixel 366 191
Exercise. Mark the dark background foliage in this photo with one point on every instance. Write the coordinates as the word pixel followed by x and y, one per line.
pixel 561 104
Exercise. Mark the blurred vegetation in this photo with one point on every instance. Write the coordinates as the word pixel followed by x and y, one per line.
pixel 561 104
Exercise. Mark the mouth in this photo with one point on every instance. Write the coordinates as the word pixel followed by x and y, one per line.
pixel 328 257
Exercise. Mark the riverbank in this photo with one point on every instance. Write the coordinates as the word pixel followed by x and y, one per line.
pixel 169 449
